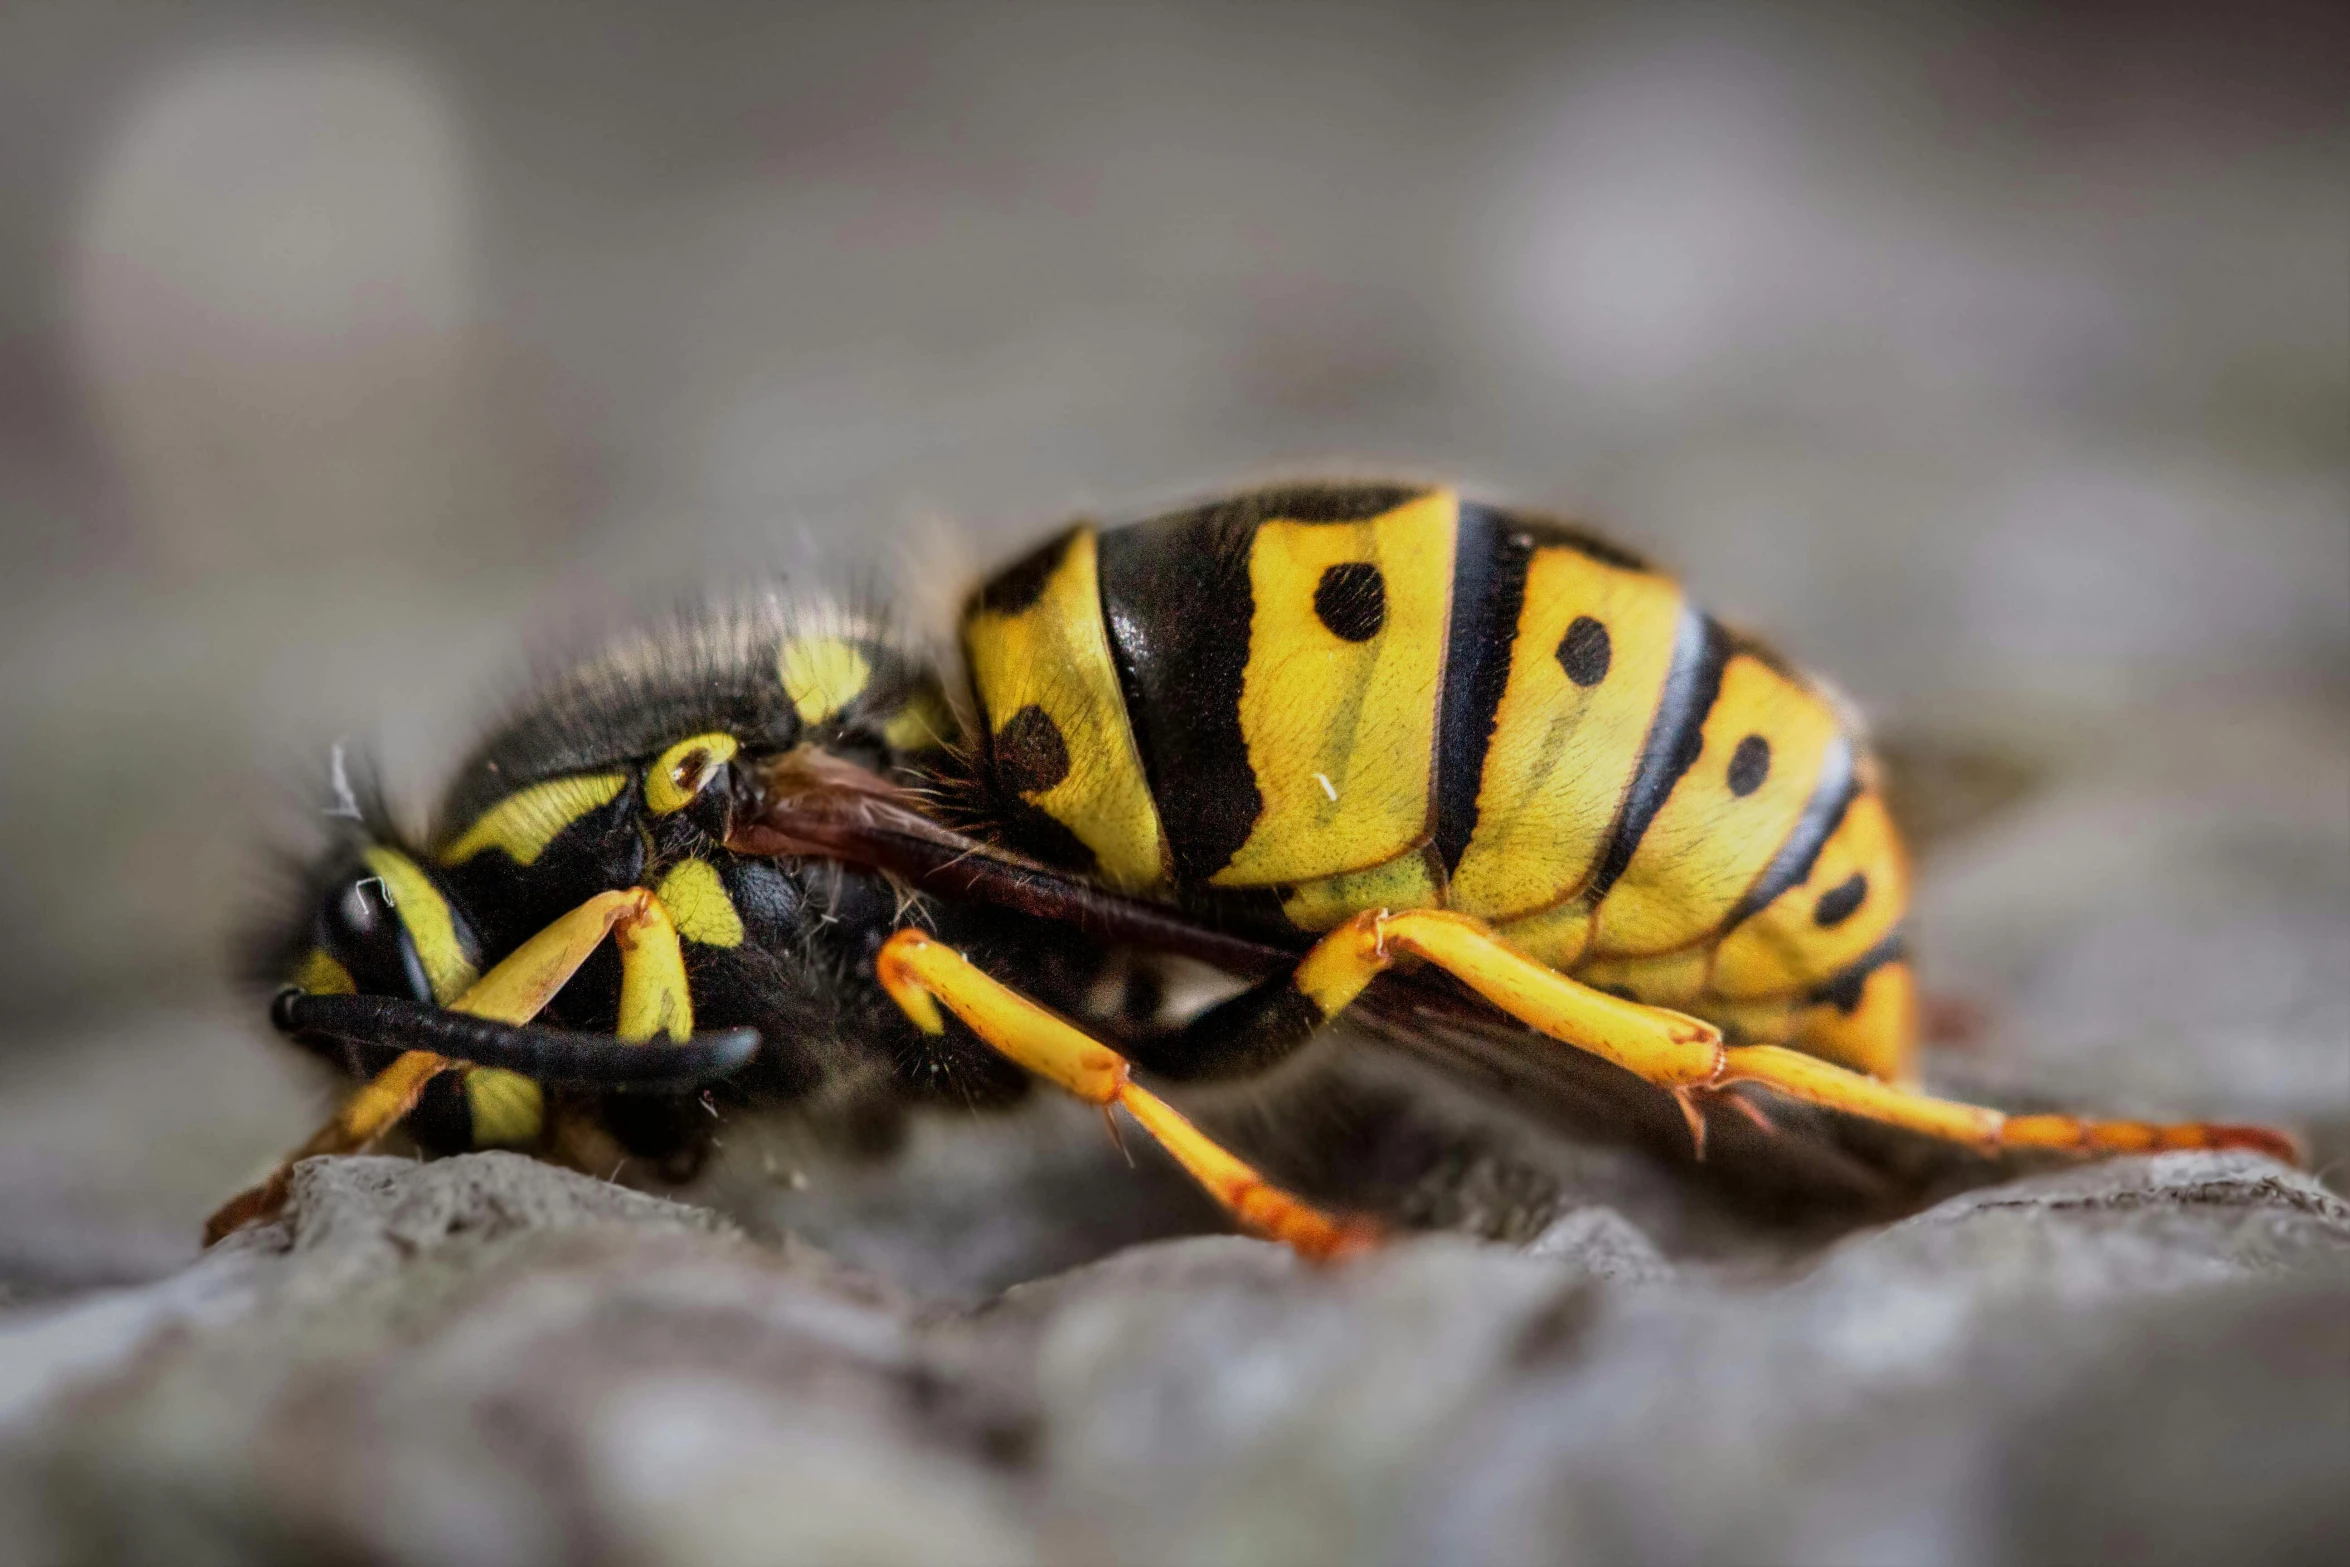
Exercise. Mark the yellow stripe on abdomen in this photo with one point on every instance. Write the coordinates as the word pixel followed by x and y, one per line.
pixel 1727 816
pixel 1876 1033
pixel 1040 660
pixel 1594 645
pixel 1410 881
pixel 1340 698
pixel 1855 895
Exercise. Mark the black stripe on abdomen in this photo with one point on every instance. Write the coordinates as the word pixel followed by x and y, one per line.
pixel 1488 592
pixel 1843 990
pixel 1177 601
pixel 1179 606
pixel 1839 785
pixel 1700 651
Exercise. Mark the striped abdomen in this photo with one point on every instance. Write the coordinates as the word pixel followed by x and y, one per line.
pixel 1369 696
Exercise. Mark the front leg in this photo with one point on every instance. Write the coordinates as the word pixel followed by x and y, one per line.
pixel 653 1000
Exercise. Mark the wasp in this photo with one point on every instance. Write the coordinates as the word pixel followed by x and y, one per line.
pixel 1355 745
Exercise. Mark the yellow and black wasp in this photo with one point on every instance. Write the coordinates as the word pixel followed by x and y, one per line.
pixel 1304 735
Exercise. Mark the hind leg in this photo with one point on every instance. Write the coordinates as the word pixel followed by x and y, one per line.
pixel 1687 1057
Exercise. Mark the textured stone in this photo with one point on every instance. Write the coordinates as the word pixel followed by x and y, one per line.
pixel 490 1360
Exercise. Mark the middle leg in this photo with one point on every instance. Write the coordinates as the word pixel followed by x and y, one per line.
pixel 920 974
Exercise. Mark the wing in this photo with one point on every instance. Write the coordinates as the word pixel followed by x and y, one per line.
pixel 810 803
pixel 1940 789
pixel 1792 1159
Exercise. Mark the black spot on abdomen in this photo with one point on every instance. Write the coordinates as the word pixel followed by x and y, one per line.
pixel 1585 652
pixel 1830 799
pixel 1839 902
pixel 1351 599
pixel 1488 591
pixel 1030 755
pixel 1750 764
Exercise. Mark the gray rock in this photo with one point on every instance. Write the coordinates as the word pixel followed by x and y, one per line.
pixel 486 1359
pixel 1599 1241
pixel 489 1360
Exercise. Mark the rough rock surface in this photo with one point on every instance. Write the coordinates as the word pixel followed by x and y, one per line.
pixel 488 1360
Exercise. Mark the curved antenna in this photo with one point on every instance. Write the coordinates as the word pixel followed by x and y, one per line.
pixel 555 1057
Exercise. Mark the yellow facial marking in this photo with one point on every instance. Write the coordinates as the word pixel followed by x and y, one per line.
pixel 698 905
pixel 1727 816
pixel 424 915
pixel 821 675
pixel 526 821
pixel 1564 751
pixel 654 998
pixel 321 975
pixel 684 770
pixel 507 1108
pixel 1339 702
pixel 1044 669
pixel 1407 882
pixel 1855 895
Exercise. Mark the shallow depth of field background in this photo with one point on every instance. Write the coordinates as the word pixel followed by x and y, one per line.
pixel 1997 363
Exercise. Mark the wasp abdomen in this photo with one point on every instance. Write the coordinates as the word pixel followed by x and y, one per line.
pixel 1362 696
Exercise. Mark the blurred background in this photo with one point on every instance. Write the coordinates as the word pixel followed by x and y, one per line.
pixel 1996 358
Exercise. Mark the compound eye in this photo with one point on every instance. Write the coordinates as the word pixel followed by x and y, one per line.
pixel 363 910
pixel 683 771
pixel 361 944
pixel 393 931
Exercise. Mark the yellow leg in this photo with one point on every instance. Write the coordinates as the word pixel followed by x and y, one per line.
pixel 366 1115
pixel 1687 1057
pixel 1667 1048
pixel 522 984
pixel 920 974
pixel 513 992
